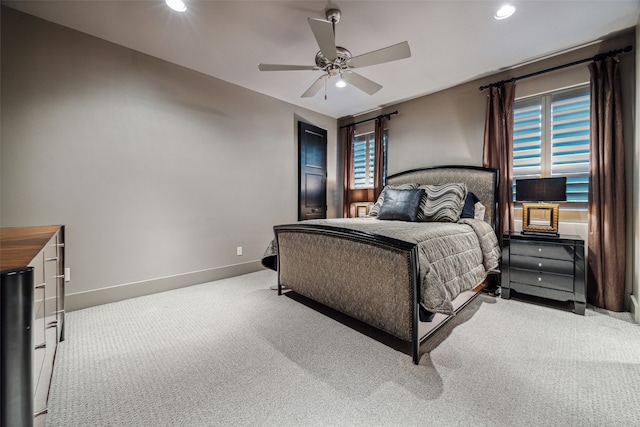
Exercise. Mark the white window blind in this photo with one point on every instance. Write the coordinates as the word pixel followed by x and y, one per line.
pixel 527 139
pixel 570 120
pixel 551 139
pixel 364 159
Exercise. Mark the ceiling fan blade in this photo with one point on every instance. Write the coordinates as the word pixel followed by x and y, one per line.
pixel 315 87
pixel 282 67
pixel 323 32
pixel 387 54
pixel 362 83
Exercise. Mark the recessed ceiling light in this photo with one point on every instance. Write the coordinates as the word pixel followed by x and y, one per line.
pixel 177 5
pixel 504 12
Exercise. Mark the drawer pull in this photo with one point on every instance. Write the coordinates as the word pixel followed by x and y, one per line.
pixel 43 345
pixel 539 279
pixel 539 264
pixel 59 276
pixel 539 249
pixel 51 259
pixel 40 286
pixel 52 324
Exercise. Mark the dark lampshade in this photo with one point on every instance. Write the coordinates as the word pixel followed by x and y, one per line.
pixel 541 190
pixel 361 195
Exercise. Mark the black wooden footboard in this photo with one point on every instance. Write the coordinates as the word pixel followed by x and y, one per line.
pixel 369 277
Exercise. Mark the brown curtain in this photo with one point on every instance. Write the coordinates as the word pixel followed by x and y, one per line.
pixel 498 149
pixel 378 167
pixel 607 205
pixel 347 170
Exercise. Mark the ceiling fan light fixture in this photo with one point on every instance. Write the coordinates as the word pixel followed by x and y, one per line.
pixel 177 5
pixel 504 12
pixel 337 61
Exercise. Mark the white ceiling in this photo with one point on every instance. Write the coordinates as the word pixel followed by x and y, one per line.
pixel 451 41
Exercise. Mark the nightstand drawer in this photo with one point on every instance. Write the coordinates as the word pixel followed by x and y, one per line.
pixel 548 265
pixel 544 279
pixel 542 250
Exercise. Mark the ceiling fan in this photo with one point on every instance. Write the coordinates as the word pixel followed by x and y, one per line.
pixel 337 61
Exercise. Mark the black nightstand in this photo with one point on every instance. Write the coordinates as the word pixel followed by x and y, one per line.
pixel 544 266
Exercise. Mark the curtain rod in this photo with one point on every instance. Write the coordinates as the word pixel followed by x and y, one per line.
pixel 387 116
pixel 559 67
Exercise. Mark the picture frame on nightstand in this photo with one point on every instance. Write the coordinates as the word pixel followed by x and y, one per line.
pixel 540 218
pixel 362 210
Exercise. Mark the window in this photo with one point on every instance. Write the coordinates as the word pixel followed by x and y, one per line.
pixel 364 159
pixel 551 139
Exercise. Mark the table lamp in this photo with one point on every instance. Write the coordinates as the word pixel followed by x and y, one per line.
pixel 541 217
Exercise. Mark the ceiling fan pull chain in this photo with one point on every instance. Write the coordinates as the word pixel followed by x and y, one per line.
pixel 325 89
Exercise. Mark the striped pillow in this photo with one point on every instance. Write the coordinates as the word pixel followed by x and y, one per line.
pixel 375 209
pixel 442 202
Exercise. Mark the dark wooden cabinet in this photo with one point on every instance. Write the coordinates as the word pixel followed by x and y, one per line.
pixel 31 320
pixel 544 266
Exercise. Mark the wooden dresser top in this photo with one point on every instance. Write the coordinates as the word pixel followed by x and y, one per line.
pixel 19 245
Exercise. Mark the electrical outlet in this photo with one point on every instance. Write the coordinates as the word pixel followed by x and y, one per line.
pixel 239 251
pixel 67 274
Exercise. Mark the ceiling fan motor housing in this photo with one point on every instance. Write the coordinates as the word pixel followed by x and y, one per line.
pixel 333 15
pixel 340 62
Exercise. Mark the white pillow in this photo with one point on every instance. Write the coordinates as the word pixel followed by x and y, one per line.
pixel 479 211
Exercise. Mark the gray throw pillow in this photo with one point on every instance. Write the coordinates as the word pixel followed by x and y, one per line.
pixel 376 207
pixel 401 205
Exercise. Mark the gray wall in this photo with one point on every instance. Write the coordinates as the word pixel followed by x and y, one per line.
pixel 157 172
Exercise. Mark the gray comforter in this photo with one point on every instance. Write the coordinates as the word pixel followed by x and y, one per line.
pixel 453 257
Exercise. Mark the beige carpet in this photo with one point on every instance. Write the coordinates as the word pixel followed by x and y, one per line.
pixel 233 353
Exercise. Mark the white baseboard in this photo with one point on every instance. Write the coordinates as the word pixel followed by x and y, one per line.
pixel 634 308
pixel 80 300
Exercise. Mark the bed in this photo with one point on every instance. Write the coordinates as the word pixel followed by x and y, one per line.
pixel 403 273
